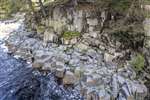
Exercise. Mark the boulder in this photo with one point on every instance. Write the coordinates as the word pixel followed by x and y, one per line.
pixel 50 36
pixel 147 41
pixel 108 57
pixel 94 34
pixel 79 72
pixel 12 48
pixel 130 98
pixel 74 40
pixel 92 96
pixel 114 84
pixel 64 41
pixel 140 91
pixel 60 72
pixel 92 22
pixel 47 66
pixel 69 41
pixel 91 81
pixel 69 78
pixel 82 46
pixel 37 65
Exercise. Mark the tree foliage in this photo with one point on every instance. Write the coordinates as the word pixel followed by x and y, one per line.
pixel 9 7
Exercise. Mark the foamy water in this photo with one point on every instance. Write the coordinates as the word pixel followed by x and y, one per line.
pixel 8 27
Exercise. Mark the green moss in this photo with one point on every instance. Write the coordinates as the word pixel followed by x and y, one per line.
pixel 70 34
pixel 147 14
pixel 9 7
pixel 40 29
pixel 147 2
pixel 138 62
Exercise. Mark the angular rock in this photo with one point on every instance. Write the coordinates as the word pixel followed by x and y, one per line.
pixel 60 72
pixel 94 34
pixel 50 36
pixel 91 28
pixel 12 48
pixel 92 22
pixel 47 66
pixel 73 41
pixel 91 81
pixel 146 27
pixel 78 24
pixel 108 57
pixel 37 65
pixel 64 41
pixel 69 78
pixel 82 46
pixel 92 96
pixel 130 98
pixel 69 41
pixel 115 89
pixel 140 91
pixel 79 72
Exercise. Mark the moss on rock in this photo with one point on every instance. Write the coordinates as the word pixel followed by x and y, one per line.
pixel 70 34
pixel 40 29
pixel 138 62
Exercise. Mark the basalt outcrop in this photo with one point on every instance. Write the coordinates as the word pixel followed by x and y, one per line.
pixel 81 44
pixel 78 66
pixel 87 22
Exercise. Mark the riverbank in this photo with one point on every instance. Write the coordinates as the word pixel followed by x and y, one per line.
pixel 18 80
pixel 79 66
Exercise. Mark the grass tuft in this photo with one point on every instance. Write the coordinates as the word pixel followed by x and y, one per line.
pixel 138 62
pixel 70 34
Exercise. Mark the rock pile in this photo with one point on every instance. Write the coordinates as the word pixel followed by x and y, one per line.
pixel 79 66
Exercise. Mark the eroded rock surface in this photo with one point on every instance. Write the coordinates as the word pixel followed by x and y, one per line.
pixel 19 81
pixel 91 73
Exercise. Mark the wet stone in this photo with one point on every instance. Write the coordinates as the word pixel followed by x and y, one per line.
pixel 37 65
pixel 60 72
pixel 69 78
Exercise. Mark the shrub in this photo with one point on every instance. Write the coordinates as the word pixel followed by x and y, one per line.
pixel 12 6
pixel 70 34
pixel 138 62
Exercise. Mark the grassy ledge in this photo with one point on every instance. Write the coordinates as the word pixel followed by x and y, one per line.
pixel 70 34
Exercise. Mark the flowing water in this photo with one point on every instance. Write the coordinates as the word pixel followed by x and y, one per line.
pixel 18 81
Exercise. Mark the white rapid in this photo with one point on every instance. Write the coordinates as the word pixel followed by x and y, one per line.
pixel 8 26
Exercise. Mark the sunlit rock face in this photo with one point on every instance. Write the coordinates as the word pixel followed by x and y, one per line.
pixel 147 31
pixel 41 0
pixel 147 7
pixel 73 19
pixel 88 70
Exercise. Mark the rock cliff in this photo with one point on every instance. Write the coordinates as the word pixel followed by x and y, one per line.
pixel 86 47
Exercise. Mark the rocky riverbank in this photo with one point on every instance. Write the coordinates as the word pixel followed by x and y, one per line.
pixel 78 66
pixel 19 81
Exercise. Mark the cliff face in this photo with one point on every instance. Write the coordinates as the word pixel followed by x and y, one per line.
pixel 87 48
pixel 86 69
pixel 84 21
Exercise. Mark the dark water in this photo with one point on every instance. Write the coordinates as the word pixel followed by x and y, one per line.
pixel 18 81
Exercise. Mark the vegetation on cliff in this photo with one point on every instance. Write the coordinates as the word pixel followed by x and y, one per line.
pixel 138 62
pixel 8 7
pixel 70 35
pixel 113 29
